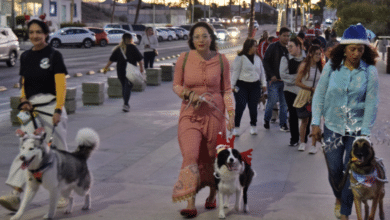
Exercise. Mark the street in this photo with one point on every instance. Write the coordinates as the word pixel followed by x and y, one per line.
pixel 139 159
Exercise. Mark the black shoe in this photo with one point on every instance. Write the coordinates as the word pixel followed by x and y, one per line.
pixel 284 128
pixel 273 120
pixel 293 144
pixel 266 125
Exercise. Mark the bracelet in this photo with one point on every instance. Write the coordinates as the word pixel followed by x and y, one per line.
pixel 57 110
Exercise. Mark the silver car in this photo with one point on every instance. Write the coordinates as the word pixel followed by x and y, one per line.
pixel 9 46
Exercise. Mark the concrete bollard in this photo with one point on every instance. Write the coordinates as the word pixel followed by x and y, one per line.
pixel 153 77
pixel 14 103
pixel 167 72
pixel 93 93
pixel 70 100
pixel 114 87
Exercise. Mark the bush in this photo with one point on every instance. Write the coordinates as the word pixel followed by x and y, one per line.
pixel 74 24
pixel 20 20
pixel 21 33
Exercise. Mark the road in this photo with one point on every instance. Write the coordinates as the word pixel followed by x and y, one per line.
pixel 81 60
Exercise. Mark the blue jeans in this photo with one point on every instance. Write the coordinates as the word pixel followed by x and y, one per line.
pixel 126 88
pixel 338 159
pixel 275 94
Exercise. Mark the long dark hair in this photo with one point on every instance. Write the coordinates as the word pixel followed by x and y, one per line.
pixel 213 45
pixel 43 25
pixel 309 57
pixel 337 55
pixel 247 46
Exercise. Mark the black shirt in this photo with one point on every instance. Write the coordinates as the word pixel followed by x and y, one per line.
pixel 35 68
pixel 133 56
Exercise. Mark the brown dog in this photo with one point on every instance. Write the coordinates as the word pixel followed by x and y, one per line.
pixel 263 99
pixel 367 178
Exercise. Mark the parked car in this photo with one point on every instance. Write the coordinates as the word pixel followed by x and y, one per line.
pixel 115 35
pixel 138 29
pixel 101 36
pixel 72 36
pixel 237 20
pixel 233 32
pixel 161 35
pixel 185 32
pixel 9 46
pixel 179 33
pixel 222 34
pixel 171 34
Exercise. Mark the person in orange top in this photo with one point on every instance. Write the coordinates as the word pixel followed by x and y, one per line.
pixel 201 74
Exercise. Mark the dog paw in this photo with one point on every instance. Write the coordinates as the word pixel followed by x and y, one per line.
pixel 86 207
pixel 221 215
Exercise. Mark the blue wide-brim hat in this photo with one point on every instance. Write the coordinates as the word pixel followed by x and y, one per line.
pixel 355 34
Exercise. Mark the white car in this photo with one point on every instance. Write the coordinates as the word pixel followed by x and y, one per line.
pixel 255 24
pixel 171 34
pixel 181 32
pixel 161 35
pixel 9 46
pixel 238 20
pixel 115 35
pixel 186 33
pixel 72 35
pixel 222 34
pixel 233 32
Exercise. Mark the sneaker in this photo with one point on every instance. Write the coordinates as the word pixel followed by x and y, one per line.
pixel 273 120
pixel 302 147
pixel 11 201
pixel 236 131
pixel 284 128
pixel 266 124
pixel 313 150
pixel 62 202
pixel 293 144
pixel 126 108
pixel 253 130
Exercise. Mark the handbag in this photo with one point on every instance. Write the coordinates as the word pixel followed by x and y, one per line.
pixel 305 110
pixel 133 74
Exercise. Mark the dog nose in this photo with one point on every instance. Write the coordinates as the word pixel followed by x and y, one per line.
pixel 22 158
pixel 231 160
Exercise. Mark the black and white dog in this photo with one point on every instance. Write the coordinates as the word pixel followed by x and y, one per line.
pixel 232 175
pixel 58 171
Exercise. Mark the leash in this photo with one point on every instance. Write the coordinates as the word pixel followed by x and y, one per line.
pixel 209 102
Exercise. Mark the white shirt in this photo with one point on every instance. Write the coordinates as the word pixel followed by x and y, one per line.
pixel 245 70
pixel 151 40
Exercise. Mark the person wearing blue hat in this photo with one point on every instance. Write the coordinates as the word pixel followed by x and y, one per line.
pixel 347 97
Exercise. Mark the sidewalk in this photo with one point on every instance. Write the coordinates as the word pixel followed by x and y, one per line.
pixel 139 159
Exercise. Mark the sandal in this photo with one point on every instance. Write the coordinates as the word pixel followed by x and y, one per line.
pixel 337 208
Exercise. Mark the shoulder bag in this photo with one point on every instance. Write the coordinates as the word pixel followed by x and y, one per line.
pixel 305 111
pixel 133 74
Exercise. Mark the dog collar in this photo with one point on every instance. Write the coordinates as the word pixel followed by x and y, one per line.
pixel 366 179
pixel 38 173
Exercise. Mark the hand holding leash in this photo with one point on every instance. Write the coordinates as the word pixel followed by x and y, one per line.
pixel 316 133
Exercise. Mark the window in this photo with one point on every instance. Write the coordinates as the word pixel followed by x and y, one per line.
pixel 126 27
pixel 75 10
pixel 53 9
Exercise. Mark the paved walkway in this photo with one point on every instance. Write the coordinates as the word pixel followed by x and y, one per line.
pixel 139 159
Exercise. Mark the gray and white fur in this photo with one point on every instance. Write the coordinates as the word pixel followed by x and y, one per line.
pixel 62 172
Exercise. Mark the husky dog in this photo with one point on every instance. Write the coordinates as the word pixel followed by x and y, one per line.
pixel 58 171
pixel 232 175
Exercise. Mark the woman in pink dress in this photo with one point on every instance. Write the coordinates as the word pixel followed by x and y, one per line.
pixel 202 72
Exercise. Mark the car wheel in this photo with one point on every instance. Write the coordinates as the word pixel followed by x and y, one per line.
pixel 87 43
pixel 103 43
pixel 169 38
pixel 139 39
pixel 56 43
pixel 12 59
pixel 160 39
pixel 185 37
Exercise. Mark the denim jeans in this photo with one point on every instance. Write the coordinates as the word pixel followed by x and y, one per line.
pixel 275 94
pixel 149 59
pixel 126 88
pixel 338 159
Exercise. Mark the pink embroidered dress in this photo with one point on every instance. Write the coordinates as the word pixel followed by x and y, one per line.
pixel 199 128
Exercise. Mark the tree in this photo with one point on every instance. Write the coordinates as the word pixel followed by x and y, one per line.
pixel 113 11
pixel 137 12
pixel 251 19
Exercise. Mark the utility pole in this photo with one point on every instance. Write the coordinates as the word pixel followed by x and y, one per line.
pixel 71 10
pixel 12 15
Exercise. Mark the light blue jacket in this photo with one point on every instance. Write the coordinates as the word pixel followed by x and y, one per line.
pixel 348 100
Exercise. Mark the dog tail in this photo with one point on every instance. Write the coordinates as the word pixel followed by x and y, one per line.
pixel 87 141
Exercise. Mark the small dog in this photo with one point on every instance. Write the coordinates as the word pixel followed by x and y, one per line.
pixel 58 171
pixel 367 176
pixel 232 175
pixel 262 100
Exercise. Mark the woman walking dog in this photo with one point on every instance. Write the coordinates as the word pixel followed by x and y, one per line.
pixel 43 98
pixel 349 109
pixel 125 52
pixel 202 80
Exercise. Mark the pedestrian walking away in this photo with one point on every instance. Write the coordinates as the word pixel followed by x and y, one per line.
pixel 275 84
pixel 150 44
pixel 42 102
pixel 349 109
pixel 125 52
pixel 288 73
pixel 202 76
pixel 308 76
pixel 248 77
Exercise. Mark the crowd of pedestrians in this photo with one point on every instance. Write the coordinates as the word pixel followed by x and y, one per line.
pixel 292 70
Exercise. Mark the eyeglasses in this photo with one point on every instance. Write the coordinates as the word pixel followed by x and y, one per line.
pixel 204 37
